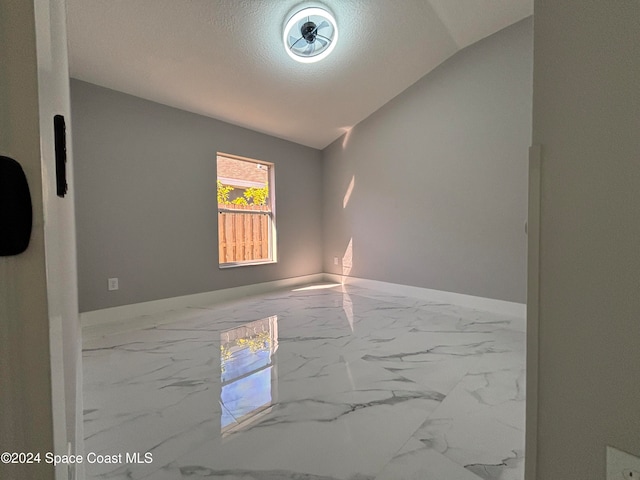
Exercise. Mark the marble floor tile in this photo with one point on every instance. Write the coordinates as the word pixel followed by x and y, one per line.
pixel 341 383
pixel 424 464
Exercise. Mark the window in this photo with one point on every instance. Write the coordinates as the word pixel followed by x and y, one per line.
pixel 246 221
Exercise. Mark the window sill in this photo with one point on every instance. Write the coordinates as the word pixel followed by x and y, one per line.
pixel 245 264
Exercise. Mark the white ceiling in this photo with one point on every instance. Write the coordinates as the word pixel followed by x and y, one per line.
pixel 225 58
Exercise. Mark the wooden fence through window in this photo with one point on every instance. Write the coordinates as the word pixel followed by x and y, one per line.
pixel 243 236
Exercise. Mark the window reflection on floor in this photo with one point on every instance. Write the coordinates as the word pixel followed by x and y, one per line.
pixel 247 372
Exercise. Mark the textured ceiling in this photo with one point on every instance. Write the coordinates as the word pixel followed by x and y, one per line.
pixel 225 58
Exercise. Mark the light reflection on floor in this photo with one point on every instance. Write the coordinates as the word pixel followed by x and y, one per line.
pixel 246 371
pixel 338 383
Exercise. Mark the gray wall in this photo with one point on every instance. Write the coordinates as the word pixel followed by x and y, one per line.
pixel 440 177
pixel 586 117
pixel 146 200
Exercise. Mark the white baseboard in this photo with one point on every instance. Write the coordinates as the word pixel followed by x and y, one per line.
pixel 116 314
pixel 502 307
pixel 124 312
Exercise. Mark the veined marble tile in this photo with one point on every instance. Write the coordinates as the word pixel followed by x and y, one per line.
pixel 334 384
pixel 340 441
pixel 424 464
pixel 480 425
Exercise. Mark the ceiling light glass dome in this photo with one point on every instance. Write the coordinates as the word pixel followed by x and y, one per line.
pixel 310 35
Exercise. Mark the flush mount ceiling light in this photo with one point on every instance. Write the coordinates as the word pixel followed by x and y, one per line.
pixel 310 35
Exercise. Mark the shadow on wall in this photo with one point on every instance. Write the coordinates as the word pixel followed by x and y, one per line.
pixel 347 258
pixel 347 195
pixel 345 138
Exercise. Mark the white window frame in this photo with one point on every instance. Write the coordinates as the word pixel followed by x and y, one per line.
pixel 271 215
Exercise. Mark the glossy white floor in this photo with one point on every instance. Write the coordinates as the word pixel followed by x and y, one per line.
pixel 317 384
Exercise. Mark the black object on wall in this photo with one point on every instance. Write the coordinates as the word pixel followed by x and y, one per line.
pixel 15 208
pixel 60 139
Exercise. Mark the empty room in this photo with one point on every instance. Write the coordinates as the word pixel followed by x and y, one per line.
pixel 404 194
pixel 337 240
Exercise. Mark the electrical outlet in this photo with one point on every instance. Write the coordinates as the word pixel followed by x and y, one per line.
pixel 622 465
pixel 336 261
pixel 113 284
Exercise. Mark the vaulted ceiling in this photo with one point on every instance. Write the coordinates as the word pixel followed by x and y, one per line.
pixel 225 58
